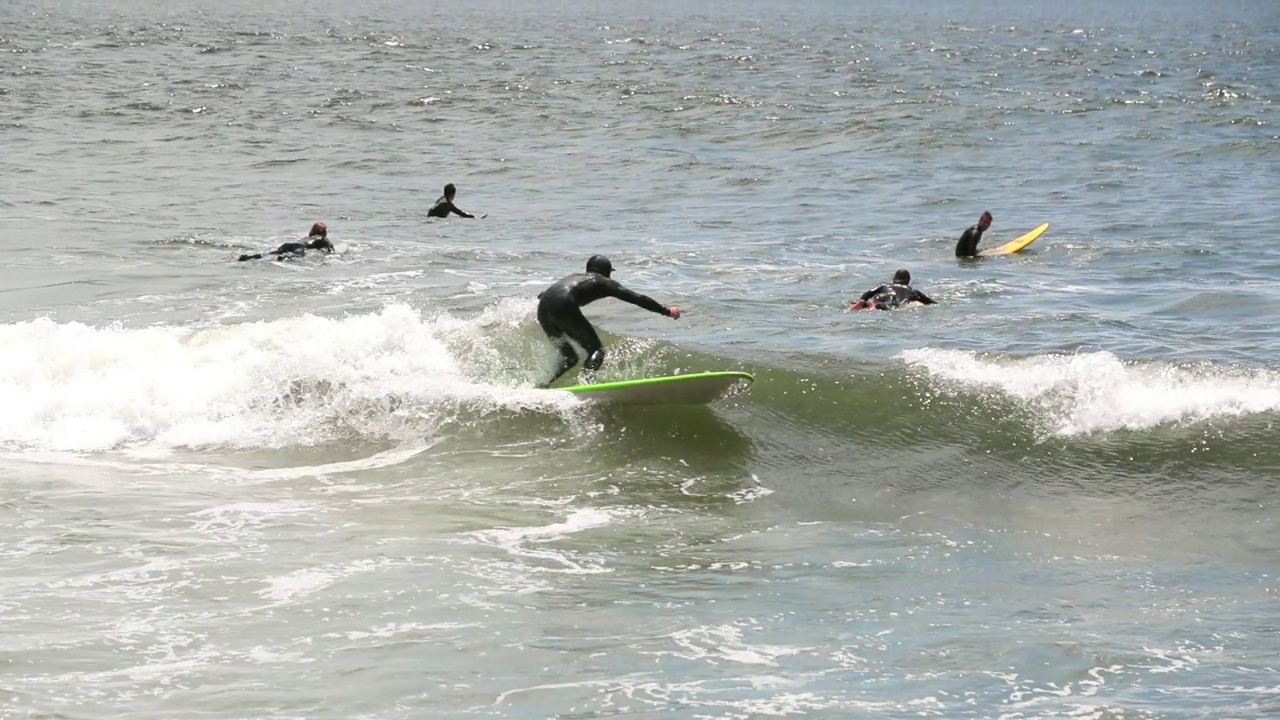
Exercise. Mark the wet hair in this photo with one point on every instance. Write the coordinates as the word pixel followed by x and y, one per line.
pixel 902 277
pixel 319 229
pixel 450 189
pixel 600 264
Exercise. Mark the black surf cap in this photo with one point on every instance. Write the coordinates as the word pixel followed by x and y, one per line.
pixel 600 264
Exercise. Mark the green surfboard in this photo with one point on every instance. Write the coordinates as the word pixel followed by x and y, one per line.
pixel 690 389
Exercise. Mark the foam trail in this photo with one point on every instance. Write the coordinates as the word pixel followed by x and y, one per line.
pixel 1098 392
pixel 298 381
pixel 388 458
pixel 519 541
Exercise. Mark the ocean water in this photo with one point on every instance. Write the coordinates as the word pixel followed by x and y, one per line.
pixel 328 489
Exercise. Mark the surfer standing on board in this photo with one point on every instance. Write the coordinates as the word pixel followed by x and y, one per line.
pixel 445 205
pixel 561 318
pixel 318 239
pixel 967 247
pixel 892 295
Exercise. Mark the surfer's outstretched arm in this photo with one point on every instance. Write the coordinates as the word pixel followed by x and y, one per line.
pixel 922 298
pixel 457 211
pixel 643 301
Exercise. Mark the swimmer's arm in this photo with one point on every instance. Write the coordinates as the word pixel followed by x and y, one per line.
pixel 923 299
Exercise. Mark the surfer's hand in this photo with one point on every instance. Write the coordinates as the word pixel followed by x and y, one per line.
pixel 673 312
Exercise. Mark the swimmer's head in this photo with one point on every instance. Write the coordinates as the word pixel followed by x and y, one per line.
pixel 319 230
pixel 984 222
pixel 450 191
pixel 902 277
pixel 600 264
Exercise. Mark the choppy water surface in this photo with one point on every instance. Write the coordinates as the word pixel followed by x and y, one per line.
pixel 326 489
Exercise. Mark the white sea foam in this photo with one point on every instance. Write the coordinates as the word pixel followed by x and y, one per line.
pixel 1098 392
pixel 297 381
pixel 537 543
pixel 726 643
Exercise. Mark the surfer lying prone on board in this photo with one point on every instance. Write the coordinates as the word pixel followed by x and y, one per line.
pixel 561 318
pixel 967 246
pixel 318 240
pixel 892 295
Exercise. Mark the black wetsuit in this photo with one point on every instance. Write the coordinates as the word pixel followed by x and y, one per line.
pixel 294 249
pixel 894 295
pixel 443 207
pixel 561 318
pixel 967 247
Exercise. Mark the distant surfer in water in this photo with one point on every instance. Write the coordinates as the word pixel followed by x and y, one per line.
pixel 445 205
pixel 967 247
pixel 318 239
pixel 561 318
pixel 893 295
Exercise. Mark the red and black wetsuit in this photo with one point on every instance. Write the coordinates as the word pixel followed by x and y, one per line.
pixel 894 295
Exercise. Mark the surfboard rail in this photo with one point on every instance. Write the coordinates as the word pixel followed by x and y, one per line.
pixel 683 389
pixel 1017 245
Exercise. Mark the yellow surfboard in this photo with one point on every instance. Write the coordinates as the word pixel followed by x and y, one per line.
pixel 1014 246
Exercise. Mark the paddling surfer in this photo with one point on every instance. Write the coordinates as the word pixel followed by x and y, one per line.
pixel 317 239
pixel 892 295
pixel 967 246
pixel 561 318
pixel 445 205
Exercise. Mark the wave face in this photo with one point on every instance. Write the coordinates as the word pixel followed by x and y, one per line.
pixel 399 373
